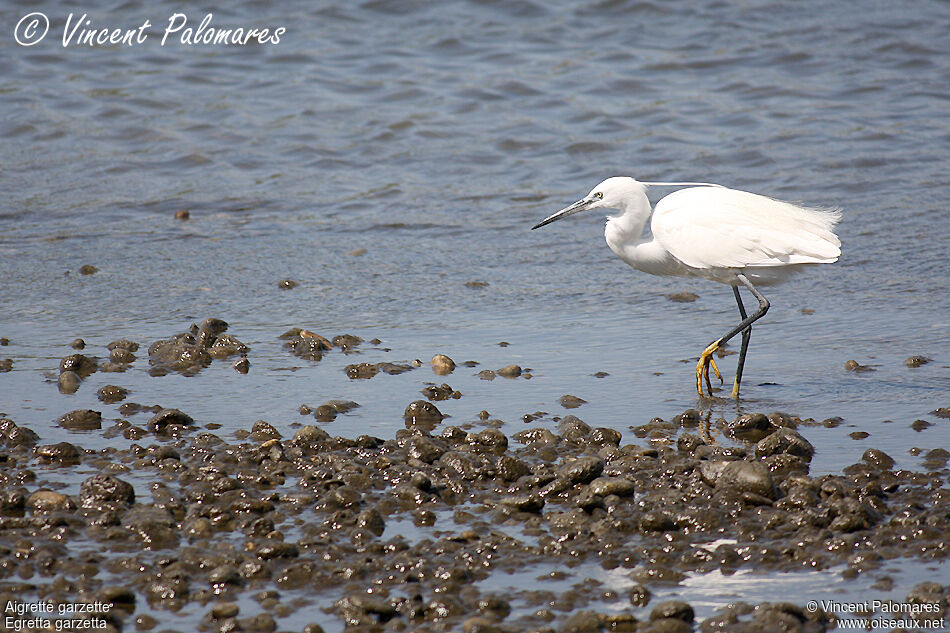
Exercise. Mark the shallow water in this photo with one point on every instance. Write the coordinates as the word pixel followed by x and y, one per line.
pixel 434 136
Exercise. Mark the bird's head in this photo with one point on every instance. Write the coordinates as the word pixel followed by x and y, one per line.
pixel 613 193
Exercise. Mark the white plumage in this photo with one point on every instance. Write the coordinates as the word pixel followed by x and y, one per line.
pixel 710 231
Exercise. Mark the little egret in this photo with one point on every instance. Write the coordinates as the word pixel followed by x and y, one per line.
pixel 713 232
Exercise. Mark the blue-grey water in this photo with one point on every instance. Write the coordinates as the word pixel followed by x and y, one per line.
pixel 433 135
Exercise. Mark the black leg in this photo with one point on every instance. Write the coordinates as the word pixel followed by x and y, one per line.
pixel 746 334
pixel 705 359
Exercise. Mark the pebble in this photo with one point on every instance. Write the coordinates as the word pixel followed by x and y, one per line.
pixel 571 402
pixel 442 365
pixel 81 420
pixel 509 371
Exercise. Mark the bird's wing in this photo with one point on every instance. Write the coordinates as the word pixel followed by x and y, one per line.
pixel 717 227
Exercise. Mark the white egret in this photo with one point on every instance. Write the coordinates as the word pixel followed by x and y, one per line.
pixel 713 232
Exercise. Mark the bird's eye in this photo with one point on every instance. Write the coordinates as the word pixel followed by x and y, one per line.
pixel 599 195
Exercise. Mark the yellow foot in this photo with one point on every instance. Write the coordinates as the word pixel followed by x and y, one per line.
pixel 735 388
pixel 702 369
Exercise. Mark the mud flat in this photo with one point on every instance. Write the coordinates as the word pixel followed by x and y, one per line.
pixel 292 528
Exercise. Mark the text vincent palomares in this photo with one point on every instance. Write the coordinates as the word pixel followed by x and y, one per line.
pixel 81 31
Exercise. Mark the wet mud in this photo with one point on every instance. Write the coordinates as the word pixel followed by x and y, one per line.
pixel 419 531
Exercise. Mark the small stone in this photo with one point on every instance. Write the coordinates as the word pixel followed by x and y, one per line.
pixel 743 476
pixel 673 609
pixel 88 269
pixel 223 610
pixel 917 361
pixel 287 284
pixel 78 344
pixel 422 413
pixel 242 365
pixel 620 486
pixel 263 431
pixel 325 413
pixel 62 453
pixel 160 422
pixel 509 371
pixel 81 420
pixel 111 393
pixel 49 501
pixel 682 297
pixel 785 441
pixel 370 519
pixel 121 355
pixel 581 470
pixel 69 382
pixel 442 365
pixel 853 365
pixel 571 402
pixel 182 215
pixel 750 427
pixel 307 435
pixel 878 458
pixel 639 595
pixel 100 489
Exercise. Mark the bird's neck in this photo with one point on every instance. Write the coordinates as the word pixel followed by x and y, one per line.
pixel 627 228
pixel 624 235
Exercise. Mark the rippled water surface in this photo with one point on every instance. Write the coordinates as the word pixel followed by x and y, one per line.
pixel 433 135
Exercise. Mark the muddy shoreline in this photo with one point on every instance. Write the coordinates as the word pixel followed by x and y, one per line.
pixel 417 531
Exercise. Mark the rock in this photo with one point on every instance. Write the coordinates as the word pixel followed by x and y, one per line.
pixel 88 269
pixel 878 458
pixel 620 486
pixel 581 470
pixel 105 489
pixel 78 344
pixel 511 468
pixel 242 365
pixel 582 622
pixel 525 503
pixel 49 501
pixel 682 297
pixel 571 402
pixel 509 371
pixel 122 343
pixel 161 421
pixel 63 453
pixel 785 440
pixel 111 393
pixel 287 284
pixel 14 436
pixel 262 431
pixel 325 413
pixel 425 449
pixel 423 414
pixel 308 435
pixel 603 436
pixel 573 428
pixel 69 382
pixel 79 363
pixel 121 355
pixel 917 361
pixel 739 476
pixel 673 609
pixel 370 519
pixel 442 365
pixel 639 595
pixel 656 521
pixel 750 427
